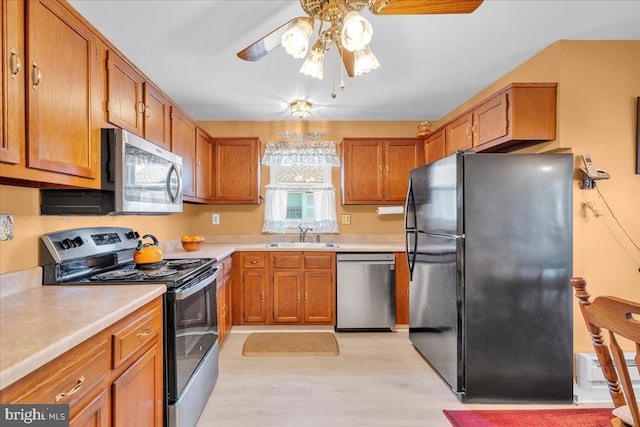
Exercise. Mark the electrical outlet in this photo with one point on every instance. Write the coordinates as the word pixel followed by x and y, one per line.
pixel 346 219
pixel 215 219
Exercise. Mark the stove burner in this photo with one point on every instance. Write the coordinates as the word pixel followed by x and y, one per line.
pixel 161 274
pixel 127 273
pixel 182 264
pixel 150 265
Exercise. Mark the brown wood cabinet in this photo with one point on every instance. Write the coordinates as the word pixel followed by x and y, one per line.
pixel 402 289
pixel 236 169
pixel 113 378
pixel 125 91
pixel 183 143
pixel 223 284
pixel 520 114
pixel 303 287
pixel 435 147
pixel 203 177
pixel 60 145
pixel 157 116
pixel 250 286
pixel 376 170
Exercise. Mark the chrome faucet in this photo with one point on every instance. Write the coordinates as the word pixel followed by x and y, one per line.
pixel 303 232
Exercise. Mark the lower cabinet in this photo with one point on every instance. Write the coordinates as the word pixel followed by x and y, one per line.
pixel 223 294
pixel 284 287
pixel 100 390
pixel 402 289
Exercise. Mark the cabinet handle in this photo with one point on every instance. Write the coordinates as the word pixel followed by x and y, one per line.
pixel 15 64
pixel 469 131
pixel 306 297
pixel 140 107
pixel 475 130
pixel 36 76
pixel 261 296
pixel 253 261
pixel 74 390
pixel 145 333
pixel 298 296
pixel 147 108
pixel 380 169
pixel 387 170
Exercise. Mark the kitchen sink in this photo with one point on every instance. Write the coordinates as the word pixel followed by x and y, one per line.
pixel 301 245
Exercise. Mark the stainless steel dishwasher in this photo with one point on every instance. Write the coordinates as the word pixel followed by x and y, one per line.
pixel 366 292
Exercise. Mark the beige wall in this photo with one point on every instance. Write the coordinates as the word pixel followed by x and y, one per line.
pixel 598 83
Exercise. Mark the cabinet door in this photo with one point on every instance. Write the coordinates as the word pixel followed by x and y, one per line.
pixel 319 299
pixel 401 156
pixel 157 117
pixel 287 293
pixel 402 289
pixel 435 148
pixel 59 91
pixel 12 87
pixel 237 171
pixel 203 166
pixel 183 143
pixel 125 106
pixel 137 393
pixel 362 175
pixel 220 298
pixel 95 413
pixel 254 292
pixel 460 134
pixel 490 120
pixel 228 321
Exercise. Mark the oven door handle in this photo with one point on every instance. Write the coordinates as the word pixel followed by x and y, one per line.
pixel 186 292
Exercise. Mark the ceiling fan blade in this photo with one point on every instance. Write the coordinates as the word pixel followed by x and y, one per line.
pixel 347 59
pixel 266 44
pixel 424 7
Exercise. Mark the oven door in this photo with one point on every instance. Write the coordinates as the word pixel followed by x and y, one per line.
pixel 192 331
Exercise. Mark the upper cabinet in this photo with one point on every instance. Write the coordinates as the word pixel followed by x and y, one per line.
pixel 204 154
pixel 520 114
pixel 236 170
pixel 135 104
pixel 60 145
pixel 183 143
pixel 376 170
pixel 434 146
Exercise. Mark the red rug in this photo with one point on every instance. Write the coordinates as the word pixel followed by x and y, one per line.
pixel 582 417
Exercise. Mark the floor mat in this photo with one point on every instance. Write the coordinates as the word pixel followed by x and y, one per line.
pixel 265 344
pixel 579 417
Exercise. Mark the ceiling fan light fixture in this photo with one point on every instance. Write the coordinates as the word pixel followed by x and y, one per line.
pixel 364 61
pixel 296 39
pixel 312 66
pixel 356 32
pixel 300 109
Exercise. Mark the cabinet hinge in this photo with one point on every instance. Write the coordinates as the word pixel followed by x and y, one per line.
pixel 108 106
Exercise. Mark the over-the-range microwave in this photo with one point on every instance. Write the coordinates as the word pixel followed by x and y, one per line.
pixel 137 178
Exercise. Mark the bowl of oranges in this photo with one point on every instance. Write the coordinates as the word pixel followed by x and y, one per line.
pixel 191 243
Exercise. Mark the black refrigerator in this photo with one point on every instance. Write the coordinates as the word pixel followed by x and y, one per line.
pixel 489 246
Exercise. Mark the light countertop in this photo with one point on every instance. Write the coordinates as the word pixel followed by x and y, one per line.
pixel 39 324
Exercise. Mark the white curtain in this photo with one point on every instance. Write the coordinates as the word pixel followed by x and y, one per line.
pixel 275 209
pixel 324 201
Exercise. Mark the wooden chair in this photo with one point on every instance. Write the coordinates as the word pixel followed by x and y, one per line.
pixel 621 318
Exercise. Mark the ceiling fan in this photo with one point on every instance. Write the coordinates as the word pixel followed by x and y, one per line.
pixel 341 24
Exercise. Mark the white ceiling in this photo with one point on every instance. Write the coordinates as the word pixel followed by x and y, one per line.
pixel 429 63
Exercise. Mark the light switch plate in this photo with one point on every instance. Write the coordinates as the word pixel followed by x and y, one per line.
pixel 346 219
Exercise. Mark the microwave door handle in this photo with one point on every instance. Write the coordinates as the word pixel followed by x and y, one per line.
pixel 172 196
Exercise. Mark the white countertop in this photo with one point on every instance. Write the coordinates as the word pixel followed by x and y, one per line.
pixel 39 324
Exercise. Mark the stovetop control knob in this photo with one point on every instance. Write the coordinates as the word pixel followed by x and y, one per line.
pixel 77 241
pixel 132 235
pixel 66 244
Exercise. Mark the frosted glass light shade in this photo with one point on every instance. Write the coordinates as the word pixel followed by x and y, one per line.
pixel 364 61
pixel 356 32
pixel 296 39
pixel 312 66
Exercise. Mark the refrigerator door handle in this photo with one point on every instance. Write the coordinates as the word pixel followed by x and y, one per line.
pixel 410 208
pixel 411 254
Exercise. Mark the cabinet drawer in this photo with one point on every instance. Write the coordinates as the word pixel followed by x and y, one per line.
pixel 65 380
pixel 254 261
pixel 135 334
pixel 286 260
pixel 322 261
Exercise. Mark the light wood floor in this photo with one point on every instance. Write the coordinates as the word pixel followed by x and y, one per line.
pixel 378 379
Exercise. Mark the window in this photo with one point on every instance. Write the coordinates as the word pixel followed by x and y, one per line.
pixel 299 181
